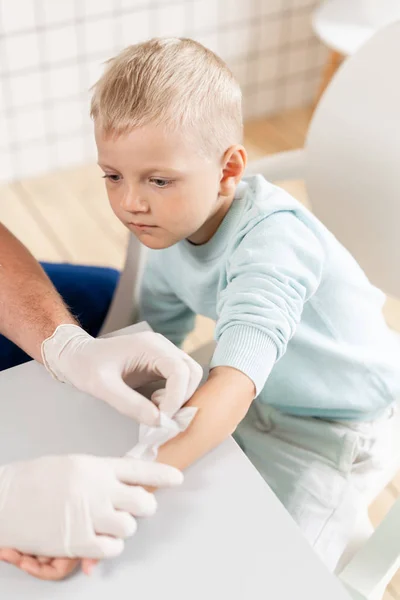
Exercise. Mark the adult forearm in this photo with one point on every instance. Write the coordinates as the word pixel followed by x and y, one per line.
pixel 30 307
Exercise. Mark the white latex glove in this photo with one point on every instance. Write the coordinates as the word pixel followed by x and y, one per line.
pixel 100 366
pixel 69 506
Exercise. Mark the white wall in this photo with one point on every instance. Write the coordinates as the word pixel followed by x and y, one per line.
pixel 51 52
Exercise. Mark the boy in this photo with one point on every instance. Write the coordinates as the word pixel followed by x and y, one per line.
pixel 305 367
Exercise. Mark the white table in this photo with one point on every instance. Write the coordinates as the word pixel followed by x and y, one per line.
pixel 222 536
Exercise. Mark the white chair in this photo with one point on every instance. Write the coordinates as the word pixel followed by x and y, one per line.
pixel 351 166
pixel 345 25
pixel 123 307
pixel 351 159
pixel 373 566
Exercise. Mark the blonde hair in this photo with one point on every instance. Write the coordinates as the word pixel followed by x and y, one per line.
pixel 173 82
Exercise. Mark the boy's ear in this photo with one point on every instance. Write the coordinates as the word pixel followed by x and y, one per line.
pixel 233 166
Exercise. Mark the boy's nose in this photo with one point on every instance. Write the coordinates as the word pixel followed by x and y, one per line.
pixel 133 202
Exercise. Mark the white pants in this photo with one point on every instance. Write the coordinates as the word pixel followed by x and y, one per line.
pixel 322 471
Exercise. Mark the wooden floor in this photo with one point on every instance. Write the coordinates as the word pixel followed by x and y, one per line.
pixel 65 216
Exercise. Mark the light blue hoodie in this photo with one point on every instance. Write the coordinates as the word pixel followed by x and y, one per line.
pixel 294 310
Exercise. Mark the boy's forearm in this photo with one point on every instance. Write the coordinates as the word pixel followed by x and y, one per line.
pixel 222 403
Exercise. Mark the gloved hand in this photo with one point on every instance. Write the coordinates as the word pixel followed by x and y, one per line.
pixel 100 366
pixel 70 506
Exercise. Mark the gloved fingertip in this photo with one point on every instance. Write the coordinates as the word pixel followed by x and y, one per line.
pixel 147 415
pixel 170 477
pixel 158 396
pixel 176 478
pixel 150 508
pixel 109 547
pixel 150 417
pixel 131 528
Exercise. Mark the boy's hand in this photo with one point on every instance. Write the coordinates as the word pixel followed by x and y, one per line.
pixel 41 567
pixel 44 567
pixel 101 367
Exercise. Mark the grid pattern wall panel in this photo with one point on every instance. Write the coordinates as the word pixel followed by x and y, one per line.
pixel 52 51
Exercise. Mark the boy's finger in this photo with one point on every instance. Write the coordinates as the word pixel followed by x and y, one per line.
pixel 29 564
pixel 44 560
pixel 88 565
pixel 11 556
pixel 59 568
pixel 65 566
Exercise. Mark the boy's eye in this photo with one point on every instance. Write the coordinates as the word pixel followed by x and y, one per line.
pixel 113 178
pixel 159 182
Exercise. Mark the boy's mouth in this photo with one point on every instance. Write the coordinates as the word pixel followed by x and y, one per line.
pixel 141 226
